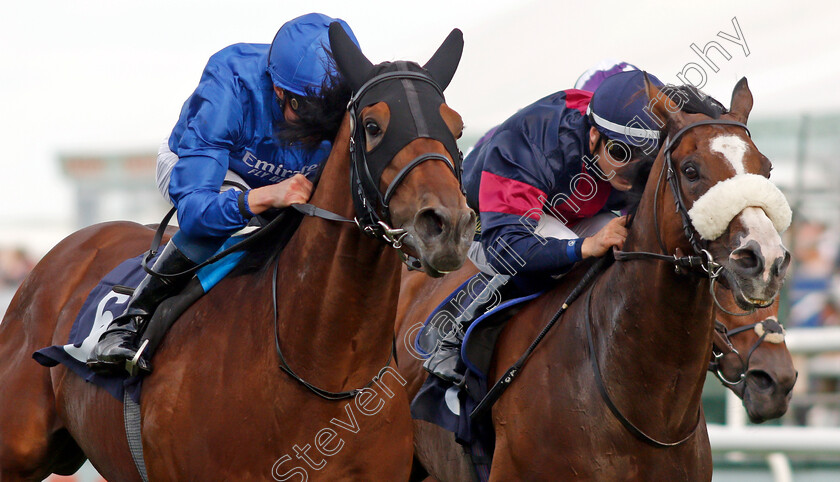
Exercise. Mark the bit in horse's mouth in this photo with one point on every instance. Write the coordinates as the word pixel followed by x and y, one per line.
pixel 434 273
pixel 757 302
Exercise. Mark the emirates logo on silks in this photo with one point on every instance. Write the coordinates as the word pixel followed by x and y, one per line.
pixel 278 172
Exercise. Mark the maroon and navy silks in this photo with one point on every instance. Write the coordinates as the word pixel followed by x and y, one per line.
pixel 536 162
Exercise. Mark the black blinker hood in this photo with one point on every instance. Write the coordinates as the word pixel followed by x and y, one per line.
pixel 414 96
pixel 414 107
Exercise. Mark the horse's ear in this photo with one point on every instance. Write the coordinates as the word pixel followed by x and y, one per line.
pixel 351 62
pixel 742 101
pixel 444 62
pixel 662 110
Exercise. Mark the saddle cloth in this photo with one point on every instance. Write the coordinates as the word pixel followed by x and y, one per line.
pixel 480 337
pixel 447 405
pixel 102 305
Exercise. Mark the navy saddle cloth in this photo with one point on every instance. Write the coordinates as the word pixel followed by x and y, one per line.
pixel 102 305
pixel 100 308
pixel 447 405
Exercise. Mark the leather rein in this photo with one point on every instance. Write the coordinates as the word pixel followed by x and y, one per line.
pixel 701 262
pixel 367 219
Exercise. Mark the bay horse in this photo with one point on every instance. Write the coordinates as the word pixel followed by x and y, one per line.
pixel 650 326
pixel 219 405
pixel 760 372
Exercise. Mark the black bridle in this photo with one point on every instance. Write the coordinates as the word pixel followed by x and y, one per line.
pixel 368 202
pixel 722 347
pixel 701 262
pixel 372 213
pixel 367 199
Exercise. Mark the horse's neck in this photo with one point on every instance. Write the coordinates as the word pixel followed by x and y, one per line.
pixel 337 288
pixel 654 328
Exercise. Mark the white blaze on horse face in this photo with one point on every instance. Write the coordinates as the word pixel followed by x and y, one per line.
pixel 733 149
pixel 760 229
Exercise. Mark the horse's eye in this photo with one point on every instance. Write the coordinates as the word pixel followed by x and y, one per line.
pixel 691 172
pixel 372 128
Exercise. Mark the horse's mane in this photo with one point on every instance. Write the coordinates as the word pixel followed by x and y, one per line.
pixel 319 119
pixel 321 111
pixel 696 101
pixel 274 236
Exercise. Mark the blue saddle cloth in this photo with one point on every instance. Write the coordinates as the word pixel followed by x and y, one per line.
pixel 449 406
pixel 101 307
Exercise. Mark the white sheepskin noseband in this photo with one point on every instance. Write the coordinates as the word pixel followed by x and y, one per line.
pixel 772 336
pixel 715 209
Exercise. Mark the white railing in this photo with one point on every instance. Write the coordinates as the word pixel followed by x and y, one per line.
pixel 813 341
pixel 765 440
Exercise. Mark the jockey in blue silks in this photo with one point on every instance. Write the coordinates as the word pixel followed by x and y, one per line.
pixel 546 183
pixel 249 126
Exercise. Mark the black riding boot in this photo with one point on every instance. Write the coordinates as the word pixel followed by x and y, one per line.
pixel 118 343
pixel 443 362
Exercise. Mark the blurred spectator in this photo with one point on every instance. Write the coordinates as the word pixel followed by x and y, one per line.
pixel 15 264
pixel 815 283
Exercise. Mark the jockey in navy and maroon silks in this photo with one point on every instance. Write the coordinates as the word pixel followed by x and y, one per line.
pixel 547 182
pixel 240 146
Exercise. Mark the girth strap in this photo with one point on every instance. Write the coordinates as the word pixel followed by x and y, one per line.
pixel 131 416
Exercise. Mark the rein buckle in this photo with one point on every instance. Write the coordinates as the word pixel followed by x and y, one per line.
pixel 393 236
pixel 712 268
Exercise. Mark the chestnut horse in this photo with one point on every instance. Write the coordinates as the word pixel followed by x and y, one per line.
pixel 218 405
pixel 651 326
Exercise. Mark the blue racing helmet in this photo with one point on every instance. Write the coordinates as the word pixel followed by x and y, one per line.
pixel 617 108
pixel 297 59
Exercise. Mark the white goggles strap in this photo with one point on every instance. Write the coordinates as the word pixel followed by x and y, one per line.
pixel 620 129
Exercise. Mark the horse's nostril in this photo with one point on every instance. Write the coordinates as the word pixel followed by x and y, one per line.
pixel 780 266
pixel 429 223
pixel 747 260
pixel 760 379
